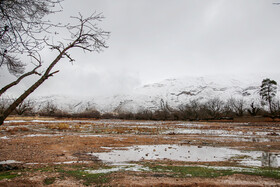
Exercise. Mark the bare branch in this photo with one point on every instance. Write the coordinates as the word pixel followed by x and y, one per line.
pixel 20 29
pixel 85 35
pixel 10 85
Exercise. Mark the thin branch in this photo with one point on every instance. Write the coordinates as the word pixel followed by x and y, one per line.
pixel 5 88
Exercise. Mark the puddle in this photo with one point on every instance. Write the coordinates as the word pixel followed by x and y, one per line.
pixel 196 131
pixel 241 139
pixel 16 121
pixel 133 167
pixel 141 126
pixel 186 153
pixel 271 160
pixel 4 137
pixel 116 122
pixel 43 135
pixel 72 162
pixel 92 135
pixel 214 132
pixel 9 162
pixel 190 125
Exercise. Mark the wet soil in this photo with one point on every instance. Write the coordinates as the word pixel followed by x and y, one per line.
pixel 35 151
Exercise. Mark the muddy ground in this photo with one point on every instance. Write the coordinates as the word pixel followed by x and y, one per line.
pixel 65 152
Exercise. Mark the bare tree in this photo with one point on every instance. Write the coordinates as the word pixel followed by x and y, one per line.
pixel 48 109
pixel 190 110
pixel 3 105
pixel 237 106
pixel 214 107
pixel 22 34
pixel 253 110
pixel 144 114
pixel 85 35
pixel 164 111
pixel 24 107
pixel 20 29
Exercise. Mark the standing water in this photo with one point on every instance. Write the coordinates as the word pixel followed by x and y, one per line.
pixel 188 153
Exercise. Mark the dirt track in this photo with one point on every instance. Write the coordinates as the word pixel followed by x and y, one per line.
pixel 60 153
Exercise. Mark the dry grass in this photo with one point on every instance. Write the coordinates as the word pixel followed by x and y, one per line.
pixel 17 129
pixel 58 126
pixel 77 127
pixel 3 128
pixel 28 118
pixel 131 130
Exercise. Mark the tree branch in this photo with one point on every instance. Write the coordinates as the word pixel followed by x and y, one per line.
pixel 5 88
pixel 88 37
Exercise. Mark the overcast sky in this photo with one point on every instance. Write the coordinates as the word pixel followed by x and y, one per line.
pixel 152 40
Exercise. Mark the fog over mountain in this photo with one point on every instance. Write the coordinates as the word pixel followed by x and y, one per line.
pixel 175 92
pixel 155 40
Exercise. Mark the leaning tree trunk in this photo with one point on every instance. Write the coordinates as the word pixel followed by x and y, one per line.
pixel 85 36
pixel 44 77
pixel 13 106
pixel 5 88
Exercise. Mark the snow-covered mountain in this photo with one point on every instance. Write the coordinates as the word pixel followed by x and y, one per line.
pixel 173 91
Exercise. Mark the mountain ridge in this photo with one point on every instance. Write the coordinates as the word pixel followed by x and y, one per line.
pixel 173 91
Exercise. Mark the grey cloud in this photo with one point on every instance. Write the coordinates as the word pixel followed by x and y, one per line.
pixel 158 39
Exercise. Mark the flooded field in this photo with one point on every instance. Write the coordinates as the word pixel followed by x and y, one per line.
pixel 116 152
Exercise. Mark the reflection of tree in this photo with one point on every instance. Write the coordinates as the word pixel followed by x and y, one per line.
pixel 269 160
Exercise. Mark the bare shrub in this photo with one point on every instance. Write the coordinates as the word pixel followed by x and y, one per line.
pixel 190 111
pixel 144 115
pixel 3 105
pixel 237 106
pixel 214 108
pixel 108 116
pixel 25 108
pixel 164 113
pixel 50 109
pixel 88 113
pixel 126 115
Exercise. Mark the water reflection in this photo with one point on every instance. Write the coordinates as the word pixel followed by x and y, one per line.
pixel 188 153
pixel 270 160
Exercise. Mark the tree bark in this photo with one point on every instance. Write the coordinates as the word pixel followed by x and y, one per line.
pixel 88 37
pixel 21 98
pixel 44 77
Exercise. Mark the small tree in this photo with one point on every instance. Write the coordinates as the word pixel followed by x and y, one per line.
pixel 191 110
pixel 3 105
pixel 268 91
pixel 214 107
pixel 49 109
pixel 237 106
pixel 253 110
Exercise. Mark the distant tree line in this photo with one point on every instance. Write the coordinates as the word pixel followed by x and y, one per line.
pixel 213 109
